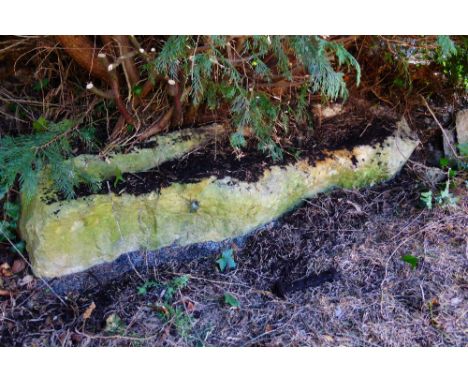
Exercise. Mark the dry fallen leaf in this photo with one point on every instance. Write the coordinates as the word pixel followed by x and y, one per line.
pixel 190 306
pixel 5 270
pixel 5 293
pixel 160 309
pixel 89 311
pixel 18 266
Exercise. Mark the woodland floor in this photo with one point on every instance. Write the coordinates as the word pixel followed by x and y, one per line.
pixel 375 298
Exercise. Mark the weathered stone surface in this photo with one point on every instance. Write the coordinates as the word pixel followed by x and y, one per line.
pixel 70 236
pixel 461 125
pixel 164 148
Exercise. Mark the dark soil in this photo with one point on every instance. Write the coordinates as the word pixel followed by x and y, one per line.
pixel 373 299
pixel 219 159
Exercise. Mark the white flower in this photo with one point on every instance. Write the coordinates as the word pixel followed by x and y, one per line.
pixel 89 85
pixel 171 82
pixel 141 50
pixel 101 55
pixel 153 49
pixel 110 67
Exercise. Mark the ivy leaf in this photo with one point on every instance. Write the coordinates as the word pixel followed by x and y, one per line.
pixel 226 261
pixel 411 260
pixel 222 264
pixel 230 300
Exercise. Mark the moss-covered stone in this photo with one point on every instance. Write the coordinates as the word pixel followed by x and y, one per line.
pixel 71 236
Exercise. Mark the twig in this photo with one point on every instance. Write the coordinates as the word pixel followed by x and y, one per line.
pixel 441 128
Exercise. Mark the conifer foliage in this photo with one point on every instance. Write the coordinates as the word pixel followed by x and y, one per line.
pixel 24 157
pixel 259 86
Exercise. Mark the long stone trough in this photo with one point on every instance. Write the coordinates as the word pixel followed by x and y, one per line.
pixel 68 236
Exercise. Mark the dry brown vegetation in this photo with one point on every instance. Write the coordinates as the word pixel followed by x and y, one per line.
pixel 376 300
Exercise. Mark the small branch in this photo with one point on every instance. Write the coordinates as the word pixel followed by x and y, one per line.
pixel 126 53
pixel 174 91
pixel 116 89
pixel 83 52
pixel 441 128
pixel 100 93
pixel 157 127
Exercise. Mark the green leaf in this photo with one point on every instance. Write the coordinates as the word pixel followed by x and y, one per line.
pixel 20 246
pixel 447 46
pixel 238 140
pixel 12 210
pixel 174 285
pixel 41 84
pixel 146 286
pixel 180 282
pixel 222 264
pixel 411 260
pixel 230 300
pixel 40 124
pixel 114 324
pixel 118 177
pixel 137 90
pixel 426 198
pixel 226 261
pixel 6 231
pixel 444 162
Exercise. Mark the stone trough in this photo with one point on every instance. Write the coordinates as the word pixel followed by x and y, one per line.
pixel 68 236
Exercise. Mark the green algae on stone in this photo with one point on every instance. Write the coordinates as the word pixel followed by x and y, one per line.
pixel 70 236
pixel 165 148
